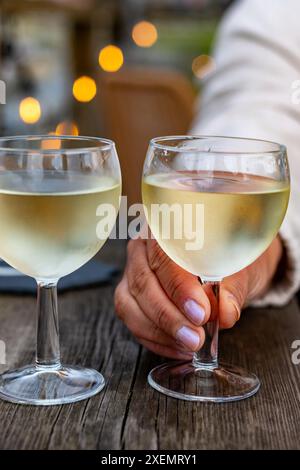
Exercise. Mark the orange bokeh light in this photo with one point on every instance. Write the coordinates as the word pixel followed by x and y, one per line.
pixel 144 34
pixel 30 110
pixel 51 144
pixel 84 89
pixel 67 128
pixel 111 58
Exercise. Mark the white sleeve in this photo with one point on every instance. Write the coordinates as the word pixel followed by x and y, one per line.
pixel 255 92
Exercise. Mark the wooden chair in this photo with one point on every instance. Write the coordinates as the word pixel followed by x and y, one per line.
pixel 139 104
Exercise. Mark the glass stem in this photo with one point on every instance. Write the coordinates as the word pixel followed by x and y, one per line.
pixel 207 357
pixel 47 345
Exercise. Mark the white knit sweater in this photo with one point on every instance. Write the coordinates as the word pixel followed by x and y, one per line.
pixel 254 93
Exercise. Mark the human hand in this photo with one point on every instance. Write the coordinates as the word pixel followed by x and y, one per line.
pixel 165 307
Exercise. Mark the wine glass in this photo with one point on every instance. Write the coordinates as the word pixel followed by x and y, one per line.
pixel 214 204
pixel 51 193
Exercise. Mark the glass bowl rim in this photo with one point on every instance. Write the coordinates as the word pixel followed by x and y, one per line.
pixel 107 144
pixel 157 142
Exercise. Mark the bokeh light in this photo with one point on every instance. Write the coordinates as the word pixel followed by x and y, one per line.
pixel 84 89
pixel 203 65
pixel 67 128
pixel 144 34
pixel 30 110
pixel 51 144
pixel 111 58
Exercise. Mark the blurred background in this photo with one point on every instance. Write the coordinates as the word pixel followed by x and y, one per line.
pixel 123 69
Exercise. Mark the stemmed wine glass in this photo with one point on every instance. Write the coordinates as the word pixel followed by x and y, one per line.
pixel 51 192
pixel 214 204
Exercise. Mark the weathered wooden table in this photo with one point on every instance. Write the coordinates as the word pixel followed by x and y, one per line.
pixel 128 414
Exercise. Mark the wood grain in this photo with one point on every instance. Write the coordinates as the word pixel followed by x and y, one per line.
pixel 128 414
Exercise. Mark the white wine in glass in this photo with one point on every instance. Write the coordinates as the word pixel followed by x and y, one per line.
pixel 240 187
pixel 51 190
pixel 241 215
pixel 53 220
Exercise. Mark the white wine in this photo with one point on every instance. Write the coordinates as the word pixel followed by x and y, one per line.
pixel 48 221
pixel 241 215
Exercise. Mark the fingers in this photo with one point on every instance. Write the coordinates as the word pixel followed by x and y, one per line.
pixel 182 288
pixel 146 332
pixel 141 327
pixel 145 288
pixel 233 295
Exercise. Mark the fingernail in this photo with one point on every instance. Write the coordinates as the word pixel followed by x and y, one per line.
pixel 194 311
pixel 188 337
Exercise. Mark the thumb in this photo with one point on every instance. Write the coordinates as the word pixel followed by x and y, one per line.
pixel 182 288
pixel 233 295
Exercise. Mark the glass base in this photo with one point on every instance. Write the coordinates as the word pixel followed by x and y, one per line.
pixel 34 385
pixel 184 381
